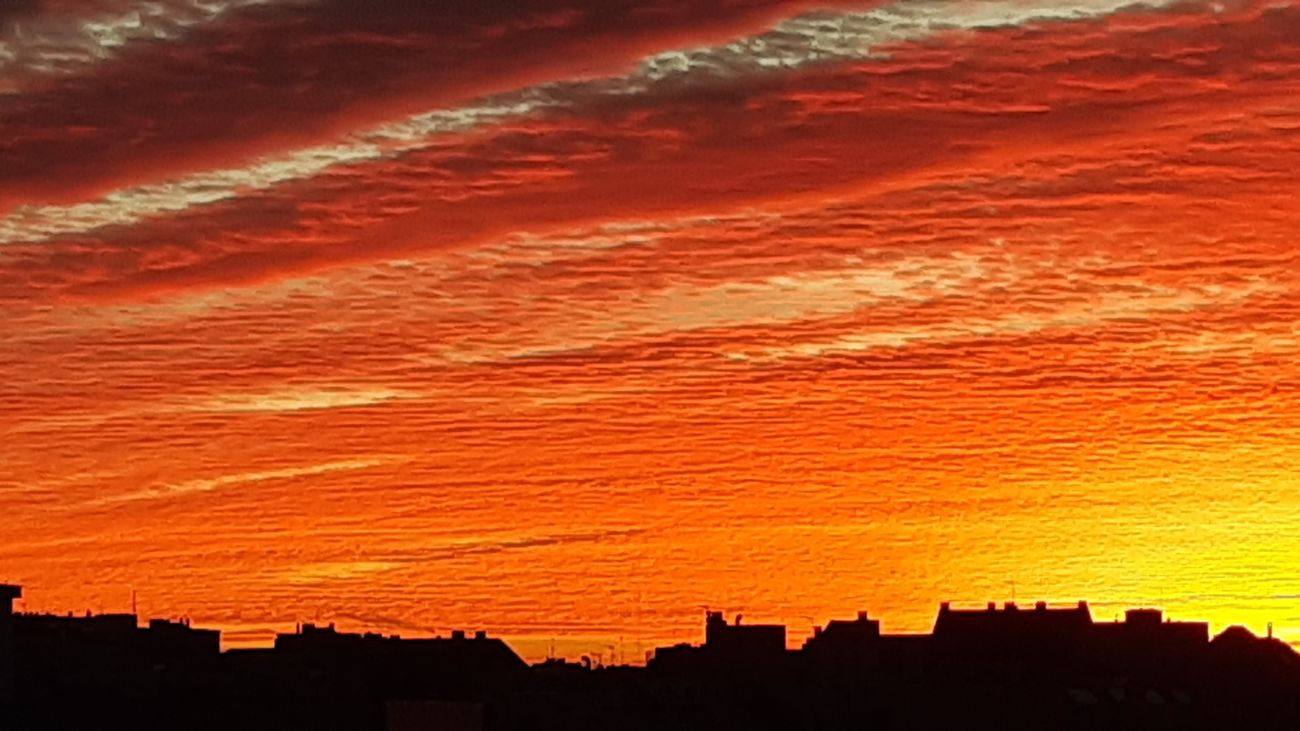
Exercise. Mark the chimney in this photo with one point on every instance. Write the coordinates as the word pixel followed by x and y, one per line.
pixel 862 616
pixel 458 634
pixel 1040 606
pixel 480 635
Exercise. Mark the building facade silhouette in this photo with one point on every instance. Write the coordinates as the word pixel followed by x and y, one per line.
pixel 1002 666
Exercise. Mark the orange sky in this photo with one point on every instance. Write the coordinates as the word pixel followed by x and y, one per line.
pixel 570 322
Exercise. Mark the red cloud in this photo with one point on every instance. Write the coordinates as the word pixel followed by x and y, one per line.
pixel 273 76
pixel 960 103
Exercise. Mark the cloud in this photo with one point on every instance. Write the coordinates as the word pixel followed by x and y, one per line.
pixel 805 40
pixel 347 66
pixel 210 484
pixel 351 570
pixel 58 37
pixel 619 158
pixel 297 399
pixel 12 11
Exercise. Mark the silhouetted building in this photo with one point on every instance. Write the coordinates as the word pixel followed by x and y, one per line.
pixel 996 667
pixel 1010 640
pixel 7 596
pixel 1145 641
pixel 108 657
pixel 845 646
pixel 841 636
pixel 95 643
pixel 456 667
pixel 743 640
pixel 753 645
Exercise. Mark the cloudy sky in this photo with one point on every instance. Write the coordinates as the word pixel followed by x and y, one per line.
pixel 568 318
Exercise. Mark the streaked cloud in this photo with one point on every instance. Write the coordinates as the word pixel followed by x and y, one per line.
pixel 221 482
pixel 811 39
pixel 298 400
pixel 39 37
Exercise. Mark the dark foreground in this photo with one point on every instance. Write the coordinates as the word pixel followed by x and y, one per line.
pixel 1009 667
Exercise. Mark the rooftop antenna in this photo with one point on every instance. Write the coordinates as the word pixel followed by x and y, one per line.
pixel 133 604
pixel 1270 630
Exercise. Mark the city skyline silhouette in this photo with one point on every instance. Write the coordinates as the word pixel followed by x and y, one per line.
pixel 540 644
pixel 1046 664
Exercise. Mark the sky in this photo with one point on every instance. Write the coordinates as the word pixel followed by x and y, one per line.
pixel 568 319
